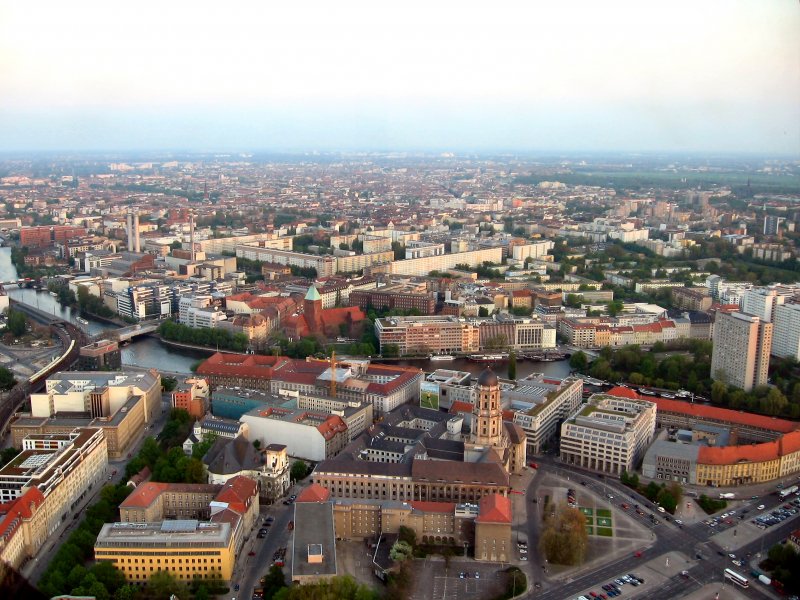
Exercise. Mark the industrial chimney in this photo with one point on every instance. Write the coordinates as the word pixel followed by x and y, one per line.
pixel 138 247
pixel 130 231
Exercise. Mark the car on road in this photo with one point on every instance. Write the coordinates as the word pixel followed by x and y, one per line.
pixel 625 505
pixel 461 575
pixel 684 573
pixel 761 507
pixel 236 588
pixel 610 496
pixel 251 553
pixel 533 465
pixel 678 522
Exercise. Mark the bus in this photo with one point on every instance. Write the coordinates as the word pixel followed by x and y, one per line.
pixel 739 580
pixel 787 492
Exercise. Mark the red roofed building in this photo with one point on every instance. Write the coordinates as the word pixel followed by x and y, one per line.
pixel 331 322
pixel 23 527
pixel 314 493
pixel 493 529
pixel 239 494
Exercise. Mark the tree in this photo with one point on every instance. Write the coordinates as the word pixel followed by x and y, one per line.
pixel 164 584
pixel 273 581
pixel 719 392
pixel 652 490
pixel 168 384
pixel 564 539
pixel 7 379
pixel 17 323
pixel 299 470
pixel 407 535
pixel 512 366
pixel 483 311
pixel 6 454
pixel 578 361
pixel 176 245
pixel 401 551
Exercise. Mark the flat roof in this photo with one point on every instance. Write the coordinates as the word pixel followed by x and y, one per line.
pixel 164 534
pixel 313 527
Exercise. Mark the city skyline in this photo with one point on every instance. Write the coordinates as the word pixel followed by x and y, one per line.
pixel 718 77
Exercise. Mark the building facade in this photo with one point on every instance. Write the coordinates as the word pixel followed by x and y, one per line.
pixel 742 345
pixel 609 434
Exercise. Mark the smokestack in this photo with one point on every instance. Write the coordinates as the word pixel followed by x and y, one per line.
pixel 191 233
pixel 138 248
pixel 130 231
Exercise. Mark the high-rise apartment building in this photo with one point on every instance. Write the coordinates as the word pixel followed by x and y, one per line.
pixel 741 352
pixel 786 333
pixel 761 302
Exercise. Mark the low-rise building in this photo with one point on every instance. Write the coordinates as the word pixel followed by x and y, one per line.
pixel 101 355
pixel 188 549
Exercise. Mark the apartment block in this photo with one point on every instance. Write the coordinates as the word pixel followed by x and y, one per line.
pixel 423 335
pixel 325 265
pixel 786 331
pixel 64 468
pixel 443 262
pixel 609 434
pixel 742 345
pixel 394 297
pixel 691 298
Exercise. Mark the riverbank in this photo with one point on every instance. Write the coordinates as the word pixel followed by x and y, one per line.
pixel 193 347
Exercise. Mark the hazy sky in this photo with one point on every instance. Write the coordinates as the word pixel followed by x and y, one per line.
pixel 526 75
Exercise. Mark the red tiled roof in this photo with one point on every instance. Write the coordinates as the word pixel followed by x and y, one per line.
pixel 13 513
pixel 144 495
pixel 623 392
pixel 314 493
pixel 238 492
pixel 433 507
pixel 494 508
pixel 728 455
pixel 243 365
pixel 460 407
pixel 724 414
pixel 332 425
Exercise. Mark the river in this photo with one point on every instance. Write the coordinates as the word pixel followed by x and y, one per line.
pixel 148 352
pixel 142 352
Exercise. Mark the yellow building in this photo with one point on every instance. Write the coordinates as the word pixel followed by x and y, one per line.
pixel 187 549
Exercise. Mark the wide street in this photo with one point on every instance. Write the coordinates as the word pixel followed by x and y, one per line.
pixel 692 540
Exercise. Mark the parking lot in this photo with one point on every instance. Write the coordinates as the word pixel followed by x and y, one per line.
pixel 458 581
pixel 652 577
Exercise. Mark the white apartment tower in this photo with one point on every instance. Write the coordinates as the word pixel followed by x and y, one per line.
pixel 742 345
pixel 786 332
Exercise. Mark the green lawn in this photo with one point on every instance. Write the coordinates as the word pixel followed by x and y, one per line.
pixel 605 531
pixel 587 511
pixel 603 512
pixel 603 522
pixel 590 530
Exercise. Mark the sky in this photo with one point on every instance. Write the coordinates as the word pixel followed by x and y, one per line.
pixel 547 75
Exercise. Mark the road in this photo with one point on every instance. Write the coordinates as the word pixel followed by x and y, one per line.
pixel 690 539
pixel 249 569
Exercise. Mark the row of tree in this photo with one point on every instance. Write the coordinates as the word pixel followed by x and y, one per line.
pixel 67 571
pixel 203 336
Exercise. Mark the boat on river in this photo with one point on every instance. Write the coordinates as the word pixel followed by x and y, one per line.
pixel 488 358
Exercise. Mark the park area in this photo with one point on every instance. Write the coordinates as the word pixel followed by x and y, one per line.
pixel 598 521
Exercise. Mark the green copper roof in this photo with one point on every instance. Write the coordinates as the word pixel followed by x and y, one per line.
pixel 313 294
